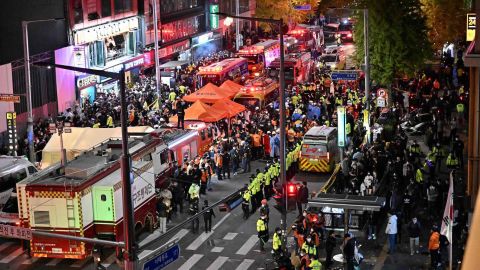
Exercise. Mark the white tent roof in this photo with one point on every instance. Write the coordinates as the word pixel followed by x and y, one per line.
pixel 81 139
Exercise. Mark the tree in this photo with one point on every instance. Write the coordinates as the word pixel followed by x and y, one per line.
pixel 283 9
pixel 398 42
pixel 446 21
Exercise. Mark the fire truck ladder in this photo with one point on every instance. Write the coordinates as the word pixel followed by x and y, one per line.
pixel 71 213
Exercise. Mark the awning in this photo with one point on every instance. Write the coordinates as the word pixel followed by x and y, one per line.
pixel 230 107
pixel 200 111
pixel 173 64
pixel 230 87
pixel 210 93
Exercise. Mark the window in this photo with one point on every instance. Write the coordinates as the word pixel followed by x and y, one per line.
pixel 103 197
pixel 147 157
pixel 122 6
pixel 11 206
pixel 106 8
pixel 77 11
pixel 41 217
pixel 164 157
pixel 8 181
pixel 179 29
pixel 31 170
pixel 169 6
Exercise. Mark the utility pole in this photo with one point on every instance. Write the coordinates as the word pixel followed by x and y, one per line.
pixel 128 222
pixel 283 165
pixel 367 69
pixel 157 60
pixel 237 25
pixel 28 90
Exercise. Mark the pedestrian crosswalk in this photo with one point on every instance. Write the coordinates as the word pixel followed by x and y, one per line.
pixel 234 251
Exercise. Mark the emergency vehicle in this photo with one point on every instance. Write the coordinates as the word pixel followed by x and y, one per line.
pixel 308 37
pixel 258 92
pixel 234 69
pixel 260 55
pixel 86 200
pixel 319 149
pixel 195 140
pixel 298 68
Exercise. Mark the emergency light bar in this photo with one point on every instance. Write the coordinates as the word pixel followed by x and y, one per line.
pixel 184 139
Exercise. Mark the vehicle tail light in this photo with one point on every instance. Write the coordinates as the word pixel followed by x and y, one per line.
pixel 349 35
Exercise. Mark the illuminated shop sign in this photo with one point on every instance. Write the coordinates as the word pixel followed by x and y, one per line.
pixel 105 30
pixel 86 81
pixel 134 63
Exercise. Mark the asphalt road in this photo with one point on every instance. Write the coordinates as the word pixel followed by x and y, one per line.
pixel 232 244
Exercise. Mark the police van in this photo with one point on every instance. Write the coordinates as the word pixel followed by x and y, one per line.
pixel 319 149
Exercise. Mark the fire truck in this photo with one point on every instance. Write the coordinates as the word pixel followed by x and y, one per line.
pixel 308 37
pixel 258 92
pixel 298 68
pixel 86 200
pixel 260 55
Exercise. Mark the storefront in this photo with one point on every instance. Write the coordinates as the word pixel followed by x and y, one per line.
pixel 109 44
pixel 89 86
pixel 205 44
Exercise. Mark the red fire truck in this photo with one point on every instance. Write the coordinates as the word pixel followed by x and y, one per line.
pixel 298 68
pixel 308 37
pixel 87 199
pixel 260 55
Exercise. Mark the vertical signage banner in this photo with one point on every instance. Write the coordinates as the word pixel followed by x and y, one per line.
pixel 471 25
pixel 214 21
pixel 12 132
pixel 341 116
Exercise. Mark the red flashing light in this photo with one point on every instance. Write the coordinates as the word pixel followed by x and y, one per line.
pixel 349 35
pixel 291 189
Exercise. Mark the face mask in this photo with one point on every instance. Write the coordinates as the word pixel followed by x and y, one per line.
pixel 304 214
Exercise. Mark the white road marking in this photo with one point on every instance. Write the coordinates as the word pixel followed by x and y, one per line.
pixel 190 262
pixel 217 249
pixel 248 245
pixel 5 245
pixel 179 235
pixel 12 256
pixel 31 260
pixel 230 236
pixel 217 263
pixel 53 262
pixel 245 264
pixel 81 263
pixel 110 260
pixel 204 236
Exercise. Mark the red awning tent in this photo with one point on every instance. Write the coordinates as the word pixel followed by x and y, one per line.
pixel 231 108
pixel 210 93
pixel 230 87
pixel 200 111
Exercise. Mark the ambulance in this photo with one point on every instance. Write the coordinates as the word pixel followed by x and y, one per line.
pixel 86 200
pixel 319 149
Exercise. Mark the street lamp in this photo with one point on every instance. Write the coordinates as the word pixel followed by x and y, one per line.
pixel 157 60
pixel 283 175
pixel 28 84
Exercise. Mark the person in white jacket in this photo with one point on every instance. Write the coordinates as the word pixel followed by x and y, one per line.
pixel 391 232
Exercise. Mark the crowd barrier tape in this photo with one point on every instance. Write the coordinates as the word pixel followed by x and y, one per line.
pixel 331 180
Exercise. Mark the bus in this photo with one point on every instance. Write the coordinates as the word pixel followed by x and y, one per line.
pixel 235 69
pixel 260 55
pixel 258 92
pixel 298 68
pixel 319 149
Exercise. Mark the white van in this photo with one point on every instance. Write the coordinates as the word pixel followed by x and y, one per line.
pixel 12 171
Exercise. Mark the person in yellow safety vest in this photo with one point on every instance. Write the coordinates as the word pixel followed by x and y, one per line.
pixel 267 188
pixel 415 148
pixel 460 108
pixel 262 230
pixel 246 195
pixel 260 177
pixel 432 156
pixel 452 161
pixel 96 125
pixel 110 121
pixel 309 247
pixel 314 263
pixel 172 96
pixel 419 176
pixel 327 123
pixel 277 242
pixel 182 89
pixel 338 101
pixel 348 129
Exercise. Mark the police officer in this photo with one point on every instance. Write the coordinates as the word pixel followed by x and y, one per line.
pixel 207 216
pixel 193 211
pixel 277 242
pixel 247 196
pixel 262 230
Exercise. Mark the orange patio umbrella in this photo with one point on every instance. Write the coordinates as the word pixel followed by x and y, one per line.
pixel 210 93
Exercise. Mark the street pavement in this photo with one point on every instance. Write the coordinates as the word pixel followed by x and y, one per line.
pixel 232 244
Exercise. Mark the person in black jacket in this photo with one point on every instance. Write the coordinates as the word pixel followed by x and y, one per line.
pixel 414 229
pixel 302 197
pixel 329 246
pixel 207 216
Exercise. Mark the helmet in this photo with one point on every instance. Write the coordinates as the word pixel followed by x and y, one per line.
pixel 264 202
